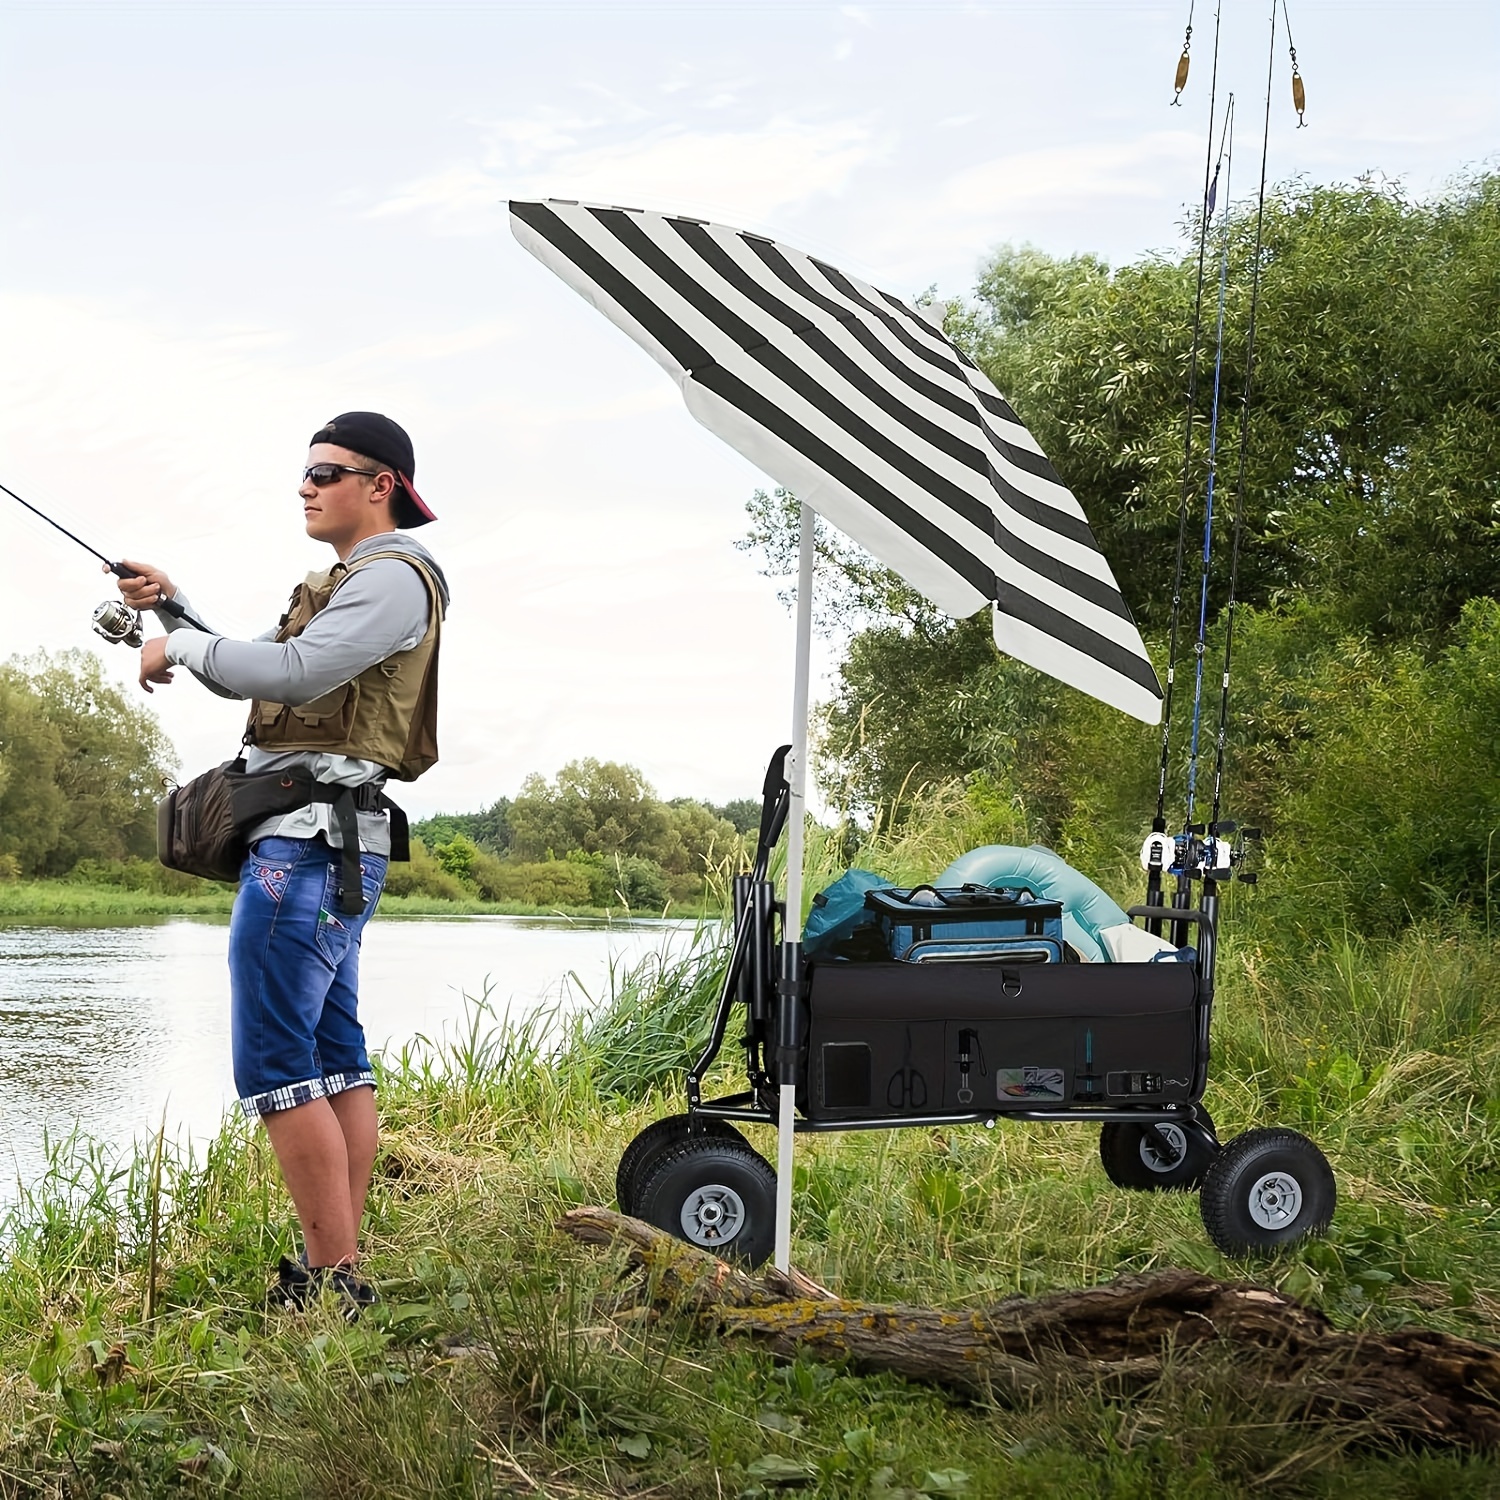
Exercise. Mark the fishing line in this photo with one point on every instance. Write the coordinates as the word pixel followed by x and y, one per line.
pixel 1159 822
pixel 1226 163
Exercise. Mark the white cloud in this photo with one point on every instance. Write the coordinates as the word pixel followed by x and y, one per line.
pixel 1067 174
pixel 748 175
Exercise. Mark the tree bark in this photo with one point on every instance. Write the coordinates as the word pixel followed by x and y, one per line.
pixel 1415 1383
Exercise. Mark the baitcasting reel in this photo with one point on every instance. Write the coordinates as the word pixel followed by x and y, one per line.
pixel 1214 857
pixel 119 624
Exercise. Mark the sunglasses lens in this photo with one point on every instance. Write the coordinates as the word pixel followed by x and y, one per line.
pixel 323 474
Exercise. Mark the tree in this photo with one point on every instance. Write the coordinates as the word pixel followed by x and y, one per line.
pixel 81 769
pixel 597 806
pixel 742 814
pixel 488 829
pixel 703 836
pixel 1372 457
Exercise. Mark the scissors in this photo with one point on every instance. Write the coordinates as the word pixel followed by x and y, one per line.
pixel 907 1088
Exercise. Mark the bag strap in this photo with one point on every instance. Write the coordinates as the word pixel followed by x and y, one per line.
pixel 346 815
pixel 400 830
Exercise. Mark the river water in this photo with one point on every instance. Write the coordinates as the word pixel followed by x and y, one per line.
pixel 106 1030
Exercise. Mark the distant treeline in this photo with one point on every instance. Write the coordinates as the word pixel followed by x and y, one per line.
pixel 82 769
pixel 595 835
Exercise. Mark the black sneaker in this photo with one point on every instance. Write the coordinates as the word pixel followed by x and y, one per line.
pixel 298 1286
pixel 354 1295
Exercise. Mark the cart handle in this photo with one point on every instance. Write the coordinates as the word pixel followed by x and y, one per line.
pixel 775 804
pixel 1173 914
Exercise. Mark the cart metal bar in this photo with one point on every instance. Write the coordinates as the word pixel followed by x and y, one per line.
pixel 744 933
pixel 1172 913
pixel 743 1108
pixel 791 965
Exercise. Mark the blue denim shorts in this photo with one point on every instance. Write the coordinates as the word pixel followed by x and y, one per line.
pixel 294 975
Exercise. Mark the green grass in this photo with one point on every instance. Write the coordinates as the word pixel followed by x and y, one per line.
pixel 508 1361
pixel 75 901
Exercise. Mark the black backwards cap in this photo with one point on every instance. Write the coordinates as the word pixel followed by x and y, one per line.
pixel 376 437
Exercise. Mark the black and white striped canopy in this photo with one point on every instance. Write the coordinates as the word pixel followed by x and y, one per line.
pixel 862 408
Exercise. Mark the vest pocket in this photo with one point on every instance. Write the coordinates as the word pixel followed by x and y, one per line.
pixel 326 720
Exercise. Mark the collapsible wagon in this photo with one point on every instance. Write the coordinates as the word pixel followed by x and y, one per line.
pixel 970 1014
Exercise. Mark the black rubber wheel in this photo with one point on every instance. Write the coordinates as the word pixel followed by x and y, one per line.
pixel 655 1139
pixel 1265 1189
pixel 718 1195
pixel 1133 1158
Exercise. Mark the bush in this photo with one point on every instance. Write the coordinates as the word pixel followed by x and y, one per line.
pixel 1390 802
pixel 457 856
pixel 640 884
pixel 424 876
pixel 138 875
pixel 551 882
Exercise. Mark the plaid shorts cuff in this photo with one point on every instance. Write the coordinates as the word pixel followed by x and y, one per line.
pixel 290 1095
pixel 336 1083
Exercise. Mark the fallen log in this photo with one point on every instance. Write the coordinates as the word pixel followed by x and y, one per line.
pixel 1122 1337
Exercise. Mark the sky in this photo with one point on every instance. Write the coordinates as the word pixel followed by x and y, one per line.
pixel 224 222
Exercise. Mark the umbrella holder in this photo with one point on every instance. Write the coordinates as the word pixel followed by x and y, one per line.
pixel 997 1031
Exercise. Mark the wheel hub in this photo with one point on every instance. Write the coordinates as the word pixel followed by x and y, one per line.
pixel 1275 1200
pixel 1153 1155
pixel 712 1215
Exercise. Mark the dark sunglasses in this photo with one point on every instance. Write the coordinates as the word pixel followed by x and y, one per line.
pixel 322 475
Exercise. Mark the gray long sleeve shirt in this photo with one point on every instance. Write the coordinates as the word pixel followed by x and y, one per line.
pixel 381 610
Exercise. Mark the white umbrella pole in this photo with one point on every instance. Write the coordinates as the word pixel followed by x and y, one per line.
pixel 791 947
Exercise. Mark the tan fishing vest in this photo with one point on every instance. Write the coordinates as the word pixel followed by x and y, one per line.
pixel 388 714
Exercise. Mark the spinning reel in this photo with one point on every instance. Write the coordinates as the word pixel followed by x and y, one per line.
pixel 119 624
pixel 114 620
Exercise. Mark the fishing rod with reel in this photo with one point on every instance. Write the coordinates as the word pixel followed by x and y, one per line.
pixel 1213 851
pixel 114 620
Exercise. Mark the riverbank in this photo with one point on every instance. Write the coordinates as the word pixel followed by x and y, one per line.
pixel 77 901
pixel 136 1357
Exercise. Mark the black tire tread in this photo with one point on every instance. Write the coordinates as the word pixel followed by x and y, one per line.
pixel 758 1238
pixel 1119 1153
pixel 1226 1175
pixel 650 1142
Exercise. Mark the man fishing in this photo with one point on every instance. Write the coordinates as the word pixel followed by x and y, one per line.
pixel 344 688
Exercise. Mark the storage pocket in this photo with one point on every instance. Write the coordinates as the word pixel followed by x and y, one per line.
pixel 324 721
pixel 333 713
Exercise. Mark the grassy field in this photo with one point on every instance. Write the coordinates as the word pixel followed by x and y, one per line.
pixel 76 901
pixel 136 1359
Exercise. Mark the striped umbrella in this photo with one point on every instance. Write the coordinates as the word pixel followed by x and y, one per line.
pixel 860 406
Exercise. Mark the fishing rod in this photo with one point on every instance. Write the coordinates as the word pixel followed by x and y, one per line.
pixel 1217 826
pixel 115 620
pixel 1226 159
pixel 1157 853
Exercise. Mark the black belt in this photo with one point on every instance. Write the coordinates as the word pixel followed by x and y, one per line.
pixel 347 803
